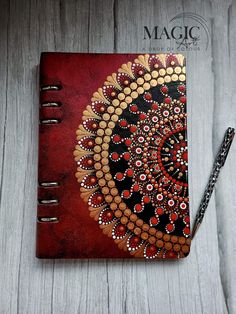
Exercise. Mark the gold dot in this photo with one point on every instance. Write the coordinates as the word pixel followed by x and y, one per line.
pixel 111 184
pixel 160 80
pixel 108 198
pixel 159 243
pixel 106 116
pixel 166 237
pixel 114 118
pixel 104 161
pixel 182 240
pixel 154 74
pixel 167 79
pixel 111 124
pixel 140 90
pixel 159 234
pixel 127 212
pixel 169 70
pixel 104 153
pixel 134 95
pixel 98 140
pixel 123 105
pixel 184 70
pixel 152 231
pixel 118 213
pixel 185 248
pixel 97 157
pixel 124 220
pixel 110 109
pixel 139 222
pixel 145 227
pixel 133 86
pixel 108 131
pixel 106 169
pixel 130 225
pixel 162 72
pixel 122 206
pixel 106 139
pixel 118 111
pixel 114 191
pixel 113 206
pixel 152 240
pixel 153 83
pixel 140 81
pixel 176 247
pixel 133 217
pixel 146 86
pixel 168 246
pixel 105 146
pixel 105 190
pixel 99 174
pixel 182 77
pixel 177 70
pixel 115 102
pixel 102 182
pixel 102 124
pixel 97 149
pixel 100 132
pixel 97 166
pixel 137 231
pixel 147 77
pixel 117 199
pixel 174 77
pixel 128 100
pixel 121 96
pixel 127 90
pixel 144 235
pixel 108 176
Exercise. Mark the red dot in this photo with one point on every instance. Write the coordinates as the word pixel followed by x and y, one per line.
pixel 142 116
pixel 138 207
pixel 186 231
pixel 181 88
pixel 146 199
pixel 159 211
pixel 167 100
pixel 154 106
pixel 173 216
pixel 126 156
pixel 133 128
pixel 130 172
pixel 119 176
pixel 154 221
pixel 164 89
pixel 116 138
pixel 186 219
pixel 170 227
pixel 136 188
pixel 183 99
pixel 148 96
pixel 133 108
pixel 128 142
pixel 126 193
pixel 115 156
pixel 123 123
pixel 185 156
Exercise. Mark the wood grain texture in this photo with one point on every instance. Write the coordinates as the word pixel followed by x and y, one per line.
pixel 205 282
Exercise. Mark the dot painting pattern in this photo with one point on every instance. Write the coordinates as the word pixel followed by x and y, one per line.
pixel 132 157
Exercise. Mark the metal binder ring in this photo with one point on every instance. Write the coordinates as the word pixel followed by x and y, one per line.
pixel 50 121
pixel 48 219
pixel 52 201
pixel 48 184
pixel 51 104
pixel 50 87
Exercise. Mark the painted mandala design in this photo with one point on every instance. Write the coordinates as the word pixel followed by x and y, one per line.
pixel 132 157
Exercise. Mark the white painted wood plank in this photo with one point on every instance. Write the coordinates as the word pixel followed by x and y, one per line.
pixel 189 286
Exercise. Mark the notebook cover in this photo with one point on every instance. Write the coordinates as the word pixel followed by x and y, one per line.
pixel 113 161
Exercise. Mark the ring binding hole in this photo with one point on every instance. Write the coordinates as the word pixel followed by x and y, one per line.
pixel 48 184
pixel 51 87
pixel 49 104
pixel 48 202
pixel 50 121
pixel 48 219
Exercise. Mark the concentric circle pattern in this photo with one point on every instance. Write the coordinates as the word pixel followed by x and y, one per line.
pixel 132 157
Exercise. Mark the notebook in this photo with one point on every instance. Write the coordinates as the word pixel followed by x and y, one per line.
pixel 113 157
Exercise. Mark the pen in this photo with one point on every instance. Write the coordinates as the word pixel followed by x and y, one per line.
pixel 218 164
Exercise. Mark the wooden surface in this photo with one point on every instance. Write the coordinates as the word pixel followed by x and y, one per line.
pixel 205 282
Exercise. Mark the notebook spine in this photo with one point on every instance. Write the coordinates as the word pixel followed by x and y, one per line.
pixel 49 117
